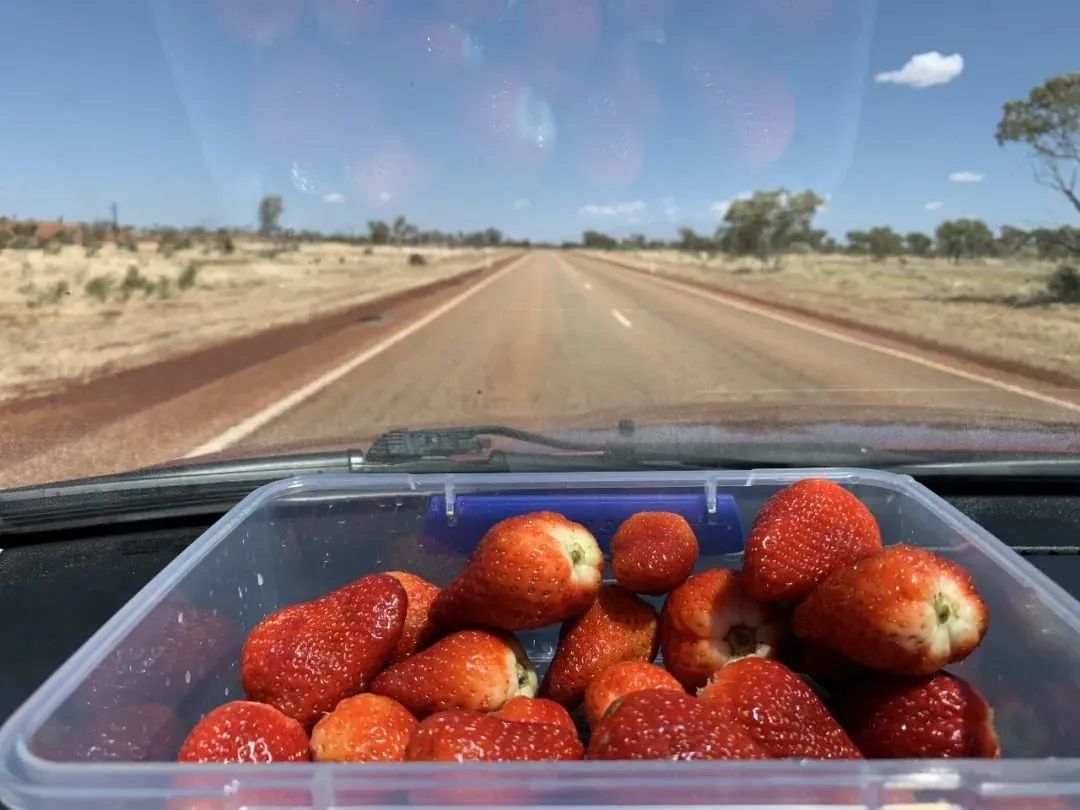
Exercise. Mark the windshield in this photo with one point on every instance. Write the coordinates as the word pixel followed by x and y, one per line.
pixel 238 228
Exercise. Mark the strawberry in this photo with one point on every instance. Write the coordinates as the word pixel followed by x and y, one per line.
pixel 803 533
pixel 470 669
pixel 523 709
pixel 618 627
pixel 936 715
pixel 245 731
pixel 418 631
pixel 663 724
pixel 709 620
pixel 622 679
pixel 822 665
pixel 148 732
pixel 526 572
pixel 775 706
pixel 904 610
pixel 363 728
pixel 305 658
pixel 467 736
pixel 653 552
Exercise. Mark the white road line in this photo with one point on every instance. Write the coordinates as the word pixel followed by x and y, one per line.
pixel 852 341
pixel 621 318
pixel 260 419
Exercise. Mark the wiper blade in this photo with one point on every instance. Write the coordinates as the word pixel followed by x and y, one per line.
pixel 409 445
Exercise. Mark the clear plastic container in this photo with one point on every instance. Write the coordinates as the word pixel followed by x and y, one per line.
pixel 177 643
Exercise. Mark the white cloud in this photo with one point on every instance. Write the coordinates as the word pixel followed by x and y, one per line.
pixel 967 177
pixel 521 203
pixel 720 207
pixel 671 208
pixel 334 198
pixel 925 70
pixel 625 209
pixel 934 205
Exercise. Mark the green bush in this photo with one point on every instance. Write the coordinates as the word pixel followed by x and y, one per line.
pixel 163 288
pixel 99 287
pixel 21 243
pixel 93 250
pixel 128 242
pixel 417 259
pixel 52 246
pixel 26 229
pixel 368 251
pixel 223 241
pixel 186 280
pixel 45 296
pixel 1064 285
pixel 134 282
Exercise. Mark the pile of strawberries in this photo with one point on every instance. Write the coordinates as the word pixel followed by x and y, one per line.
pixel 391 668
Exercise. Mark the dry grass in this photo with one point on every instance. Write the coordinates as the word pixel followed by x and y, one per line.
pixel 54 328
pixel 991 306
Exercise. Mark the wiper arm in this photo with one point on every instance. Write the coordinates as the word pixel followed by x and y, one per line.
pixel 410 445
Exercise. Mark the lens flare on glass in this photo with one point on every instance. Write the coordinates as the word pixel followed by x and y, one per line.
pixel 261 23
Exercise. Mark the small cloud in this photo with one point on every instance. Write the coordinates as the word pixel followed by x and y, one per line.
pixel 521 203
pixel 334 198
pixel 384 196
pixel 625 209
pixel 934 205
pixel 925 70
pixel 671 208
pixel 967 177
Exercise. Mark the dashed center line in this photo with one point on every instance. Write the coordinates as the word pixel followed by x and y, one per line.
pixel 621 318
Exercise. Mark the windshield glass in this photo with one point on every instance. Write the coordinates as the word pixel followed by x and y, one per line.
pixel 245 228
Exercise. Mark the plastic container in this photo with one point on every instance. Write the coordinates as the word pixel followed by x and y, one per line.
pixel 177 643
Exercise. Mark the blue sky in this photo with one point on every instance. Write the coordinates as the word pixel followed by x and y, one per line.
pixel 541 118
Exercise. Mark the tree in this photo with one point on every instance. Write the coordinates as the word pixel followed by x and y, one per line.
pixel 957 238
pixel 399 228
pixel 1048 121
pixel 918 244
pixel 379 231
pixel 767 223
pixel 270 210
pixel 597 240
pixel 883 242
pixel 1011 240
pixel 693 242
pixel 493 237
pixel 635 241
pixel 858 242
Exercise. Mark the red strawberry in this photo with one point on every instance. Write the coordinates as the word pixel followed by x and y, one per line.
pixel 663 724
pixel 418 631
pixel 653 552
pixel 775 706
pixel 466 736
pixel 305 658
pixel 245 731
pixel 363 728
pixel 148 732
pixel 526 572
pixel 709 620
pixel 803 533
pixel 623 679
pixel 904 610
pixel 523 709
pixel 618 627
pixel 470 669
pixel 938 715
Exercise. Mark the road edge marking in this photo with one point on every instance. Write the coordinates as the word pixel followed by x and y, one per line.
pixel 622 319
pixel 899 354
pixel 266 415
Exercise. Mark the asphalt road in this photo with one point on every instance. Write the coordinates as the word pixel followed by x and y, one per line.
pixel 559 339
